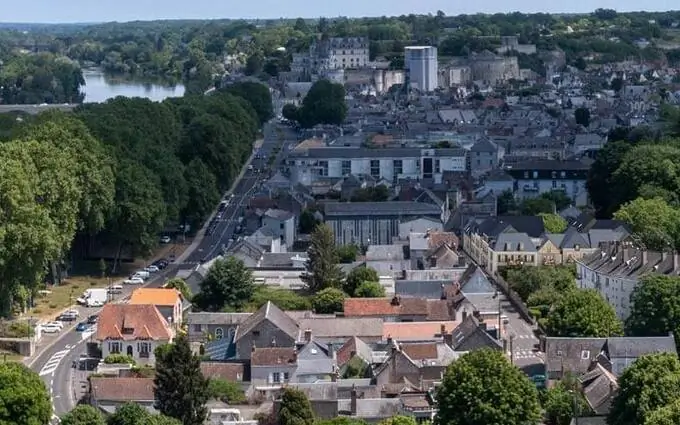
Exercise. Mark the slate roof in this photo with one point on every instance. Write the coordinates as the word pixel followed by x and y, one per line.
pixel 353 346
pixel 484 145
pixel 493 226
pixel 273 314
pixel 512 242
pixel 571 354
pixel 342 327
pixel 233 372
pixel 339 209
pixel 470 332
pixel 278 214
pixel 599 387
pixel 203 318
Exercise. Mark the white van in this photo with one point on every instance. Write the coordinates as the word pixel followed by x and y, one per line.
pixel 142 273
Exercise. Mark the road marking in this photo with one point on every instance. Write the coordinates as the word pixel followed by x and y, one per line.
pixel 53 363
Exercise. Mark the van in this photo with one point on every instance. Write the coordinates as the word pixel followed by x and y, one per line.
pixel 142 273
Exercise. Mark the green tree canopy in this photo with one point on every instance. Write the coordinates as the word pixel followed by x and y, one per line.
pixel 181 390
pixel 525 280
pixel 181 285
pixel 583 313
pixel 135 414
pixel 328 301
pixel 370 290
pixel 666 415
pixel 24 398
pixel 357 276
pixel 655 223
pixel 651 382
pixel 228 284
pixel 226 391
pixel 83 414
pixel 553 223
pixel 399 420
pixel 323 104
pixel 322 270
pixel 655 306
pixel 347 254
pixel 295 408
pixel 257 94
pixel 308 222
pixel 582 116
pixel 483 388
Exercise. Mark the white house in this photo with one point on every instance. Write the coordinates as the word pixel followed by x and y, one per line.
pixel 133 330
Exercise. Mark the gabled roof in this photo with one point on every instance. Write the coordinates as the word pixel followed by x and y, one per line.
pixel 471 331
pixel 274 315
pixel 156 296
pixel 599 387
pixel 273 356
pixel 122 389
pixel 354 347
pixel 484 145
pixel 132 321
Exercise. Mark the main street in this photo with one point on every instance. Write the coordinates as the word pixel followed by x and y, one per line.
pixel 55 364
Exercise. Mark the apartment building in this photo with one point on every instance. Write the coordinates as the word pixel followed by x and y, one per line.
pixel 308 166
pixel 533 178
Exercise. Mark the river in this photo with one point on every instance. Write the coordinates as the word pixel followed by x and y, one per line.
pixel 99 87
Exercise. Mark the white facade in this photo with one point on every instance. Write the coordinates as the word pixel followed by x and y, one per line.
pixel 142 351
pixel 421 64
pixel 388 164
pixel 573 188
pixel 615 289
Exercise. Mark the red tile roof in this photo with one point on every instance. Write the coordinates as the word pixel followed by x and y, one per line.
pixel 130 322
pixel 420 351
pixel 122 389
pixel 272 356
pixel 227 371
pixel 397 306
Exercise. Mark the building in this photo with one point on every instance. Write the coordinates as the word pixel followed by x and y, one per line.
pixel 281 224
pixel 133 330
pixel 616 269
pixel 391 164
pixel 168 302
pixel 493 69
pixel 420 63
pixel 376 223
pixel 338 53
pixel 533 178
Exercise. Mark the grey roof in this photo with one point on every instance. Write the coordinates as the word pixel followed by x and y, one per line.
pixel 345 327
pixel 384 153
pixel 427 289
pixel 633 347
pixel 273 314
pixel 484 145
pixel 483 302
pixel 599 387
pixel 551 165
pixel 279 214
pixel 470 332
pixel 201 318
pixel 377 408
pixel 385 253
pixel 493 226
pixel 513 242
pixel 498 176
pixel 282 259
pixel 334 209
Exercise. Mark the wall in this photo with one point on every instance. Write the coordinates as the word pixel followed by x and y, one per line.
pixel 151 359
pixel 22 346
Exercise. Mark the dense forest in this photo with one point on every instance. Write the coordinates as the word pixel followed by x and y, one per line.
pixel 196 52
pixel 115 174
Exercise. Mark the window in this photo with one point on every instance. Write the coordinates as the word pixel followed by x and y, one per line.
pixel 554 184
pixel 324 168
pixel 398 166
pixel 526 174
pixel 219 333
pixel 375 168
pixel 281 226
pixel 436 166
pixel 144 349
pixel 535 174
pixel 115 347
pixel 554 174
pixel 256 333
pixel 346 168
pixel 276 377
pixel 286 376
pixel 563 174
pixel 198 328
pixel 585 355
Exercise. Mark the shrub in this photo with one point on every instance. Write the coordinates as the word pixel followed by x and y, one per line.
pixel 52 306
pixel 119 359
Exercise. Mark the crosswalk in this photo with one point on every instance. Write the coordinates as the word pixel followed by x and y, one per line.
pixel 53 363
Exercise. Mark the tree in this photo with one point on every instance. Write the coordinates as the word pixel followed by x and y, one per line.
pixel 526 280
pixel 289 112
pixel 257 94
pixel 399 420
pixel 24 399
pixel 370 290
pixel 83 414
pixel 135 414
pixel 506 203
pixel 226 391
pixel 323 104
pixel 582 116
pixel 342 420
pixel 655 306
pixel 347 254
pixel 181 285
pixel 202 189
pixel 482 387
pixel 651 382
pixel 655 223
pixel 583 313
pixel 308 221
pixel 666 415
pixel 295 408
pixel 616 84
pixel 322 270
pixel 553 223
pixel 228 284
pixel 536 206
pixel 254 64
pixel 357 276
pixel 181 390
pixel 560 401
pixel 328 301
pixel 605 194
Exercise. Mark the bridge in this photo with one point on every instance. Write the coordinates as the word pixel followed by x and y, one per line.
pixel 36 109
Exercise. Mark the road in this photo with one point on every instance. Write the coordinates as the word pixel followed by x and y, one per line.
pixel 36 109
pixel 68 384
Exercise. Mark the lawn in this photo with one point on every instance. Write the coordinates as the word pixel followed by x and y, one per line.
pixel 9 356
pixel 55 299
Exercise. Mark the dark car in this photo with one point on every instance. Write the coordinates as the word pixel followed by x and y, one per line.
pixel 83 326
pixel 92 319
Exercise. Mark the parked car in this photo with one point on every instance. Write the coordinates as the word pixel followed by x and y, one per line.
pixel 165 239
pixel 152 269
pixel 134 281
pixel 73 312
pixel 141 273
pixel 83 326
pixel 92 319
pixel 115 289
pixel 50 329
pixel 66 317
pixel 56 323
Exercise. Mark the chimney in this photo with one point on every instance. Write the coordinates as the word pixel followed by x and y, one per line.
pixel 334 374
pixel 625 251
pixel 294 355
pixel 448 339
pixel 252 349
pixel 443 329
pixel 353 400
pixel 308 335
pixel 477 314
pixel 396 300
pixel 389 339
pixel 331 351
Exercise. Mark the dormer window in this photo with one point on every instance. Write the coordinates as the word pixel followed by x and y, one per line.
pixel 128 331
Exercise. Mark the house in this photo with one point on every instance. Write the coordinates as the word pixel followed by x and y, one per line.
pixel 216 332
pixel 576 355
pixel 391 164
pixel 426 244
pixel 533 178
pixel 272 365
pixel 281 224
pixel 268 327
pixel 397 309
pixel 616 268
pixel 337 330
pixel 387 260
pixel 168 301
pixel 316 362
pixel 419 225
pixel 366 223
pixel 485 156
pixel 135 330
pixel 473 334
pixel 415 362
pixel 599 387
pixel 109 393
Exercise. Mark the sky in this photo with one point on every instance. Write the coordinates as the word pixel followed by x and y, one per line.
pixel 66 11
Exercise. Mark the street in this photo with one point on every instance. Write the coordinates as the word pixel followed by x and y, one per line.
pixel 67 384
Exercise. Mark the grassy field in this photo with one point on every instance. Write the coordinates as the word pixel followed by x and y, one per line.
pixel 57 298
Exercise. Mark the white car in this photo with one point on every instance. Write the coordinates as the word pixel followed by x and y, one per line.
pixel 72 312
pixel 165 239
pixel 134 281
pixel 50 329
pixel 152 269
pixel 58 324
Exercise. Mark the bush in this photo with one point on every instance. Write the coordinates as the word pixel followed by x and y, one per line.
pixel 285 299
pixel 119 359
pixel 329 301
pixel 52 306
pixel 370 290
pixel 15 329
pixel 226 391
